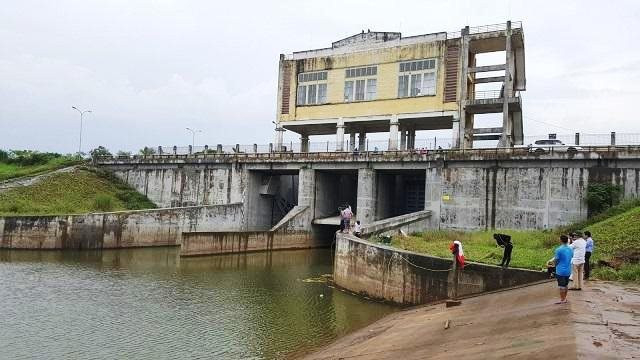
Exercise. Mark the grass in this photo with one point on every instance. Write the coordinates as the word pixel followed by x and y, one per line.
pixel 616 233
pixel 10 171
pixel 79 191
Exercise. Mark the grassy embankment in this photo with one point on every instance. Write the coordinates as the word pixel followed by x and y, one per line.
pixel 10 170
pixel 616 233
pixel 80 191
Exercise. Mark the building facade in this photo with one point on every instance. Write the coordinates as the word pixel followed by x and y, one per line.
pixel 383 82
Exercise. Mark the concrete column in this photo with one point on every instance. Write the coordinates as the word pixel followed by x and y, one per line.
pixel 463 89
pixel 393 133
pixel 306 197
pixel 433 195
pixel 362 141
pixel 506 140
pixel 455 131
pixel 403 139
pixel 613 138
pixel 304 143
pixel 352 141
pixel 411 141
pixel 366 200
pixel 279 135
pixel 340 135
pixel 577 141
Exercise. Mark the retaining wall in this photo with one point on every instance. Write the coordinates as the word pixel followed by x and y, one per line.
pixel 285 235
pixel 398 276
pixel 156 227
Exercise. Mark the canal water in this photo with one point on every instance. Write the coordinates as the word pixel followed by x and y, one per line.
pixel 151 304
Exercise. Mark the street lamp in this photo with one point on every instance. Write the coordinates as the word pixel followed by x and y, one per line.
pixel 81 116
pixel 193 136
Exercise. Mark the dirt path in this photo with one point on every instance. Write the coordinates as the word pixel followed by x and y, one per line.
pixel 521 323
pixel 32 179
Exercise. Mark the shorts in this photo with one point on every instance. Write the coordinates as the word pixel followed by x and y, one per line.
pixel 563 281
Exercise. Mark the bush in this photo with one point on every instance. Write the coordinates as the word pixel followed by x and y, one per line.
pixel 100 151
pixel 601 196
pixel 147 151
pixel 103 203
pixel 123 153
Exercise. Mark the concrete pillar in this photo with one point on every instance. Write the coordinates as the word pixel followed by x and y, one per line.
pixel 352 141
pixel 613 138
pixel 279 135
pixel 463 89
pixel 506 139
pixel 304 143
pixel 362 141
pixel 366 200
pixel 393 133
pixel 411 140
pixel 219 148
pixel 455 131
pixel 190 149
pixel 306 197
pixel 433 195
pixel 577 141
pixel 403 139
pixel 340 135
pixel 255 148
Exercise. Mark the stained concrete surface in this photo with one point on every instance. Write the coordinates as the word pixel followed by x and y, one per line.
pixel 602 321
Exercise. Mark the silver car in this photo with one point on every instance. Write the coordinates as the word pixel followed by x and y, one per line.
pixel 544 145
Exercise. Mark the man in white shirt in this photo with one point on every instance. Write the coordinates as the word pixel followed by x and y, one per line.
pixel 577 262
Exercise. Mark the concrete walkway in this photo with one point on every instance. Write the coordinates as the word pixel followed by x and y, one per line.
pixel 523 323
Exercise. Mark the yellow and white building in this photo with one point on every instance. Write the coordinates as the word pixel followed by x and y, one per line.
pixel 383 82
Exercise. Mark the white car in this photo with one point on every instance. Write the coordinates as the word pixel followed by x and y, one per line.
pixel 540 146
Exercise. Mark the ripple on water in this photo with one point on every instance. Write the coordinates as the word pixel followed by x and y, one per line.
pixel 149 304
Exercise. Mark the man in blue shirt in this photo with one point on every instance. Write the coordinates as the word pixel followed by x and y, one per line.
pixel 563 255
pixel 587 254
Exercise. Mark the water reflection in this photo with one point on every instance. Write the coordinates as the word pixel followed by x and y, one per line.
pixel 149 303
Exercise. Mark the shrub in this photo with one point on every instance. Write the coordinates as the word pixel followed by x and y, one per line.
pixel 601 196
pixel 103 203
pixel 123 153
pixel 147 151
pixel 100 151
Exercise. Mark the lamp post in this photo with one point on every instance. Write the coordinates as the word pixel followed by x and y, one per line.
pixel 81 116
pixel 193 136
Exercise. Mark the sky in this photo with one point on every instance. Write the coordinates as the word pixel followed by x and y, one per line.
pixel 148 69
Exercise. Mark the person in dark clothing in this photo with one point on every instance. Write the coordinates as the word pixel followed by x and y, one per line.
pixel 504 241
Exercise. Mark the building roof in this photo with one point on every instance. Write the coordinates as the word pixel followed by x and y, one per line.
pixel 366 38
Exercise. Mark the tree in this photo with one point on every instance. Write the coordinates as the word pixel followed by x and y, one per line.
pixel 100 151
pixel 147 151
pixel 123 153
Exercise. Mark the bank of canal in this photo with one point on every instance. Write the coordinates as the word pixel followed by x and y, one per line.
pixel 149 303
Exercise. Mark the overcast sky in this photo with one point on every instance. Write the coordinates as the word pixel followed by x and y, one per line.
pixel 148 69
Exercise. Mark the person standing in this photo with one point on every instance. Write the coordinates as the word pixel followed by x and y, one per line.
pixel 577 261
pixel 347 214
pixel 562 260
pixel 504 241
pixel 587 255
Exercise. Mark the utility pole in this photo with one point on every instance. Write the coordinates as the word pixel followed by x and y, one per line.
pixel 81 116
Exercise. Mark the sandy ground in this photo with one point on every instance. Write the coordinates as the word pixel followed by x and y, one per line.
pixel 602 321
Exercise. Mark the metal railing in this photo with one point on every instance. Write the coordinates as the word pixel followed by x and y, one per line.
pixel 375 146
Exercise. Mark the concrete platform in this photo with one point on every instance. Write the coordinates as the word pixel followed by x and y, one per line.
pixel 600 322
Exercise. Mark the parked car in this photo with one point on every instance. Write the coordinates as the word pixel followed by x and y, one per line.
pixel 544 145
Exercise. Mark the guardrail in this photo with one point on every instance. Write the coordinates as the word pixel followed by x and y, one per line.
pixel 415 154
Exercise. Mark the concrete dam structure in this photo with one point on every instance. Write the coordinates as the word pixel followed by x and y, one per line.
pixel 466 189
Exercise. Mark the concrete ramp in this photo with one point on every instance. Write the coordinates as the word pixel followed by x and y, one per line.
pixel 398 222
pixel 331 220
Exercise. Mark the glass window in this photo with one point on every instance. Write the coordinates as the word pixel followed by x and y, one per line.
pixel 302 95
pixel 416 84
pixel 348 91
pixel 429 84
pixel 403 84
pixel 372 88
pixel 359 89
pixel 322 93
pixel 311 97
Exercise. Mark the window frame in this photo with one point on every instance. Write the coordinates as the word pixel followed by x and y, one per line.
pixel 312 81
pixel 411 76
pixel 364 75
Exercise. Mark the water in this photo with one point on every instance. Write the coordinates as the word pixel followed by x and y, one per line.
pixel 151 304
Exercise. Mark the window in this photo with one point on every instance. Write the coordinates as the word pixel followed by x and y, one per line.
pixel 417 78
pixel 360 84
pixel 312 88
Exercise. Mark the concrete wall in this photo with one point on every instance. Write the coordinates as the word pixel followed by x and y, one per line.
pixel 402 277
pixel 290 233
pixel 470 190
pixel 158 227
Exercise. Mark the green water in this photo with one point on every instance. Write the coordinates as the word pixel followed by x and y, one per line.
pixel 151 304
